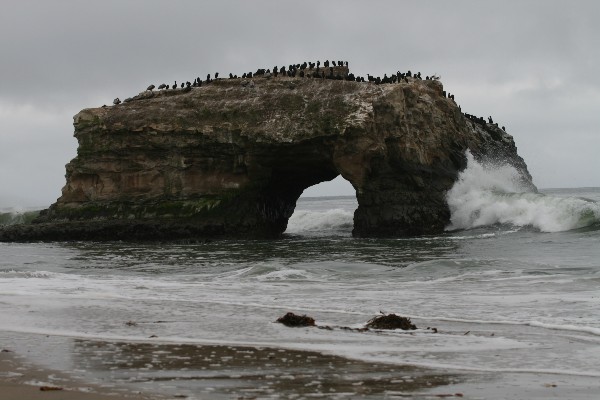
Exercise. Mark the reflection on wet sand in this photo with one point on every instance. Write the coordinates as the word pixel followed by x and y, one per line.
pixel 225 371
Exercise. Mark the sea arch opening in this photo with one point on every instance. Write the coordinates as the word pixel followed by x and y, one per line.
pixel 325 208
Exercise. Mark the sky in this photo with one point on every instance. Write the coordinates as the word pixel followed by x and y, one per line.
pixel 531 65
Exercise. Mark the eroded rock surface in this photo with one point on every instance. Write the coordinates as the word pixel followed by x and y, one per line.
pixel 230 159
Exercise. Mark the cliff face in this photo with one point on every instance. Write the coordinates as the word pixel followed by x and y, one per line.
pixel 232 157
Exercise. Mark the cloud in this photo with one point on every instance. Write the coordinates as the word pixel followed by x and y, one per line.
pixel 34 147
pixel 532 65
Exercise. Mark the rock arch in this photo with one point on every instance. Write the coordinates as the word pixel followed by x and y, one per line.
pixel 231 159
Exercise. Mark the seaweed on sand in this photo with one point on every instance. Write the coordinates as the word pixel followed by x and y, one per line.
pixel 293 320
pixel 391 321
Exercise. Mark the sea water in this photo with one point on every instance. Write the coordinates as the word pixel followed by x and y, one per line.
pixel 512 290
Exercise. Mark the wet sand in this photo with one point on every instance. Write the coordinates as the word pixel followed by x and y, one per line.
pixel 168 371
pixel 20 380
pixel 101 370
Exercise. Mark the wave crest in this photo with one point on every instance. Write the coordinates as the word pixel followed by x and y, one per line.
pixel 492 194
pixel 17 217
pixel 316 221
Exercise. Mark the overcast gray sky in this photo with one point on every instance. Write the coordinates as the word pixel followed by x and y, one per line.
pixel 532 65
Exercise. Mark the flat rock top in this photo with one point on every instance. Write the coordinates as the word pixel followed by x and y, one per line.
pixel 277 109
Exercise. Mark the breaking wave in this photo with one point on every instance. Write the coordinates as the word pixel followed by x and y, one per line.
pixel 488 195
pixel 319 221
pixel 17 217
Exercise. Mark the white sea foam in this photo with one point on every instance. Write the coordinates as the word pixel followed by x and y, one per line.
pixel 315 221
pixel 536 324
pixel 11 273
pixel 16 216
pixel 287 274
pixel 488 195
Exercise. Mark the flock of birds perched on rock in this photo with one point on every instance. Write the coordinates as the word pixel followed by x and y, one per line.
pixel 329 70
pixel 481 120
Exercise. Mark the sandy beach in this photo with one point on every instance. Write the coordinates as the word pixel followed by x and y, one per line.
pixel 211 372
pixel 21 380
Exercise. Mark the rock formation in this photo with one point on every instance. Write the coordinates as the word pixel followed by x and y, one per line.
pixel 230 159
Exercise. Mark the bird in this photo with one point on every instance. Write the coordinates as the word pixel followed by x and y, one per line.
pixel 150 87
pixel 162 86
pixel 174 85
pixel 116 101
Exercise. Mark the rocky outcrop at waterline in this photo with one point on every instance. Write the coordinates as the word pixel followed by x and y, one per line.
pixel 230 159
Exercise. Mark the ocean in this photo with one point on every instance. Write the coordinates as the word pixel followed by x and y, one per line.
pixel 506 304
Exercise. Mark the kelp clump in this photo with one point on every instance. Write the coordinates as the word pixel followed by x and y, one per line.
pixel 293 320
pixel 391 321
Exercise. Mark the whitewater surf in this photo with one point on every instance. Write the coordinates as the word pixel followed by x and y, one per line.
pixel 489 194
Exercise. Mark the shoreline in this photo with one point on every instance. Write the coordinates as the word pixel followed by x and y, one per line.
pixel 89 369
pixel 145 371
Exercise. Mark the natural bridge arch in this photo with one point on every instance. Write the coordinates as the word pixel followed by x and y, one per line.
pixel 392 201
pixel 230 159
